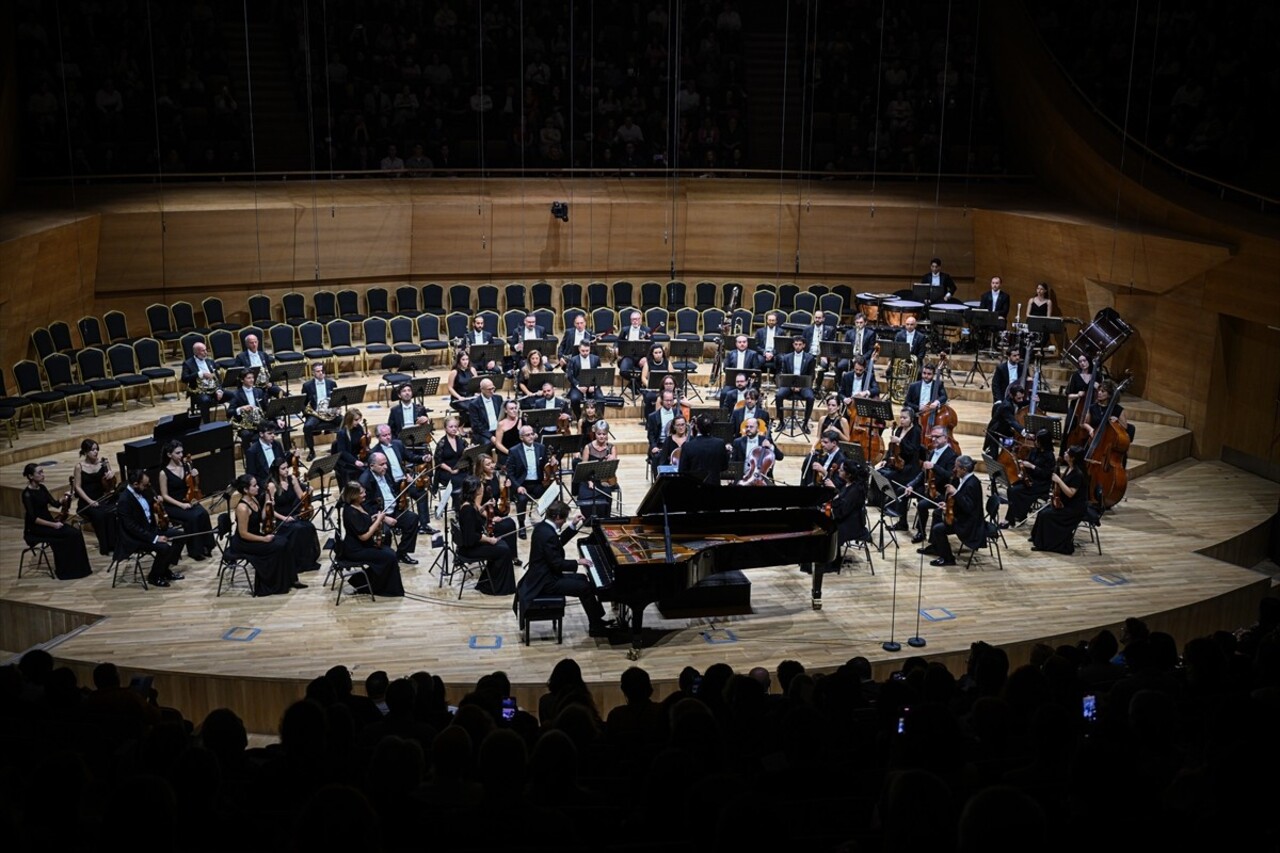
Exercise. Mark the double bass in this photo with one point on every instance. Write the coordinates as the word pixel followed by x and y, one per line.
pixel 1105 456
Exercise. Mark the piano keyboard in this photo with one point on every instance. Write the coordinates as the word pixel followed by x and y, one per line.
pixel 599 572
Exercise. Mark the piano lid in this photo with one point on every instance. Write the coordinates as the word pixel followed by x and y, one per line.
pixel 685 494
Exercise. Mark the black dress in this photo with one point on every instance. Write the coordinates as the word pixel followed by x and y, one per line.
pixel 193 520
pixel 448 454
pixel 383 576
pixel 102 516
pixel 70 559
pixel 303 540
pixel 347 448
pixel 273 565
pixel 509 439
pixel 504 527
pixel 1055 529
pixel 1034 310
pixel 499 575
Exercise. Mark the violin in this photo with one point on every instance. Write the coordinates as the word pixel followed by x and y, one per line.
pixel 194 495
pixel 305 510
pixel 402 498
pixel 423 475
pixel 564 422
pixel 893 454
pixel 158 514
pixel 949 511
pixel 504 501
pixel 378 534
pixel 64 507
pixel 109 479
pixel 269 514
pixel 549 470
pixel 363 455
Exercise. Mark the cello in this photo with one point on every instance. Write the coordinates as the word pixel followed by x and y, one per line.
pixel 1106 454
pixel 759 466
pixel 943 416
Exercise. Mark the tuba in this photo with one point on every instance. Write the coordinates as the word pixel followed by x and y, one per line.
pixel 902 372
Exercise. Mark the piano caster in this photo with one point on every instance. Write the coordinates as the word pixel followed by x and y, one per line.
pixel 633 653
pixel 817 604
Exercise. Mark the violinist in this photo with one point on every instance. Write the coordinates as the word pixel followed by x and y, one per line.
pixel 70 559
pixel 140 532
pixel 598 494
pixel 967 523
pixel 825 459
pixel 288 491
pixel 400 465
pixel 497 501
pixel 474 542
pixel 533 366
pixel 448 454
pixel 507 435
pixel 457 380
pixel 926 394
pixel 347 446
pixel 381 494
pixel 937 470
pixel 1035 482
pixel 656 362
pixel 1003 428
pixel 359 543
pixel 848 512
pixel 590 414
pixel 525 464
pixel 261 455
pixel 95 489
pixel 658 426
pixel 745 445
pixel 750 408
pixel 901 461
pixel 270 553
pixel 192 516
pixel 835 418
pixel 1055 526
pixel 859 382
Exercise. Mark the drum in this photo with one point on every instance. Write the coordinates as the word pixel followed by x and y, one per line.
pixel 1099 340
pixel 951 334
pixel 869 306
pixel 896 311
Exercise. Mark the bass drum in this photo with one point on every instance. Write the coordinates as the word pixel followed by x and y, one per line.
pixel 1099 340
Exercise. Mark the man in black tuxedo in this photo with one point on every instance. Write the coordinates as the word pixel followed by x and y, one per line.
pixel 196 368
pixel 253 356
pixel 863 341
pixel 754 436
pixel 1004 420
pixel 771 341
pixel 479 335
pixel 741 357
pixel 814 335
pixel 798 362
pixel 264 454
pixel 380 492
pixel 135 510
pixel 730 396
pixel 486 411
pixel 926 393
pixel 1007 373
pixel 995 300
pixel 239 402
pixel 704 456
pixel 571 340
pixel 969 527
pixel 524 471
pixel 584 360
pixel 941 460
pixel 828 455
pixel 859 382
pixel 936 277
pixel 406 412
pixel 400 461
pixel 915 339
pixel 633 331
pixel 551 573
pixel 318 390
pixel 529 331
pixel 751 408
pixel 546 400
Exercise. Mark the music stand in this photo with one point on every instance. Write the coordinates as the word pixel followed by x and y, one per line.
pixel 723 430
pixel 427 386
pixel 733 472
pixel 231 378
pixel 351 395
pixel 318 470
pixel 1055 403
pixel 415 434
pixel 988 322
pixel 634 350
pixel 852 451
pixel 473 384
pixel 753 377
pixel 562 445
pixel 879 410
pixel 1046 325
pixel 471 453
pixel 543 419
pixel 286 407
pixel 598 472
pixel 413 363
pixel 598 377
pixel 793 382
pixel 482 354
pixel 927 292
pixel 1035 423
pixel 537 380
pixel 884 485
pixel 938 319
pixel 288 372
pixel 546 346
pixel 716 414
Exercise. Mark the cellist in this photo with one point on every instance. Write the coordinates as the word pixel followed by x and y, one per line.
pixel 937 470
pixel 926 395
pixel 744 445
pixel 1004 425
pixel 1037 476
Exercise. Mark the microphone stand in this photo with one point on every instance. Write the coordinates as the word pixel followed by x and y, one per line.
pixel 917 642
pixel 892 645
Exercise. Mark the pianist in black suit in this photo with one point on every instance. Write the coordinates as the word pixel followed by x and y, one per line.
pixel 704 456
pixel 551 573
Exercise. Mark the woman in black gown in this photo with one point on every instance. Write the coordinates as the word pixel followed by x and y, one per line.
pixel 273 566
pixel 1036 480
pixel 507 435
pixel 193 517
pixel 499 575
pixel 70 559
pixel 504 527
pixel 95 486
pixel 457 381
pixel 901 459
pixel 359 534
pixel 448 454
pixel 289 491
pixel 348 445
pixel 1055 528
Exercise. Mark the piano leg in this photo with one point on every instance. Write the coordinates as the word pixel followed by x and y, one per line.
pixel 637 633
pixel 819 569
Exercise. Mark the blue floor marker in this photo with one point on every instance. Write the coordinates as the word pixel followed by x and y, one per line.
pixel 485 642
pixel 241 635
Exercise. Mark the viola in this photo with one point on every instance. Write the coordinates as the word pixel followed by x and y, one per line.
pixel 109 479
pixel 504 501
pixel 194 495
pixel 305 510
pixel 64 507
pixel 363 455
pixel 269 515
pixel 158 514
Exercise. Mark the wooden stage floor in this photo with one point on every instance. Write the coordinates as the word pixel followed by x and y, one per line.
pixel 1168 553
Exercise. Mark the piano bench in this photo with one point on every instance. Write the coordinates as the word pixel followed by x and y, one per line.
pixel 544 608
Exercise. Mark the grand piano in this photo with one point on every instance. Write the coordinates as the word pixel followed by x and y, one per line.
pixel 685 532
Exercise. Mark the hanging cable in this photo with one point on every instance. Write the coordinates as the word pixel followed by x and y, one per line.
pixel 782 151
pixel 804 187
pixel 71 158
pixel 155 111
pixel 673 131
pixel 253 145
pixel 875 122
pixel 973 105
pixel 1124 144
pixel 328 108
pixel 942 127
pixel 311 135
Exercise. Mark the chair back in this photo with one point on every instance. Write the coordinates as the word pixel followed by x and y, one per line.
pixel 514 294
pixel 433 298
pixel 146 352
pixel 117 326
pixel 42 341
pixel 487 298
pixel 375 299
pixel 623 292
pixel 260 310
pixel 570 296
pixel 650 295
pixel 90 331
pixel 61 334
pixel 325 305
pixel 540 294
pixel 158 319
pixel 295 307
pixel 460 298
pixel 598 295
pixel 407 300
pixel 677 292
pixel 121 359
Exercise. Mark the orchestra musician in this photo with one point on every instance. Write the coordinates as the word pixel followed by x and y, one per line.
pixel 546 400
pixel 1055 527
pixel 770 341
pixel 937 277
pixel 742 358
pixel 359 543
pixel 590 414
pixel 318 390
pixel 584 360
pixel 347 445
pixel 634 331
pixel 96 502
pixel 863 341
pixel 192 516
pixel 744 445
pixel 380 493
pixel 677 435
pixel 1037 478
pixel 197 371
pixel 1077 387
pixel 914 339
pixel 501 525
pixel 859 382
pixel 1004 426
pixel 486 411
pixel 799 362
pixel 525 464
pixel 70 558
pixel 995 300
pixel 657 425
pixel 507 435
pixel 406 412
pixel 448 454
pixel 656 361
pixel 1040 305
pixel 528 331
pixel 730 397
pixel 902 461
pixel 400 462
pixel 534 365
pixel 825 458
pixel 274 570
pixel 551 573
pixel 835 418
pixel 475 543
pixel 814 334
pixel 139 531
pixel 478 335
pixel 1008 373
pixel 848 512
pixel 969 526
pixel 573 339
pixel 261 455
pixel 926 393
pixel 459 376
pixel 288 492
pixel 256 359
pixel 939 459
pixel 751 408
pixel 704 456
pixel 596 496
pixel 242 403
pixel 1101 398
